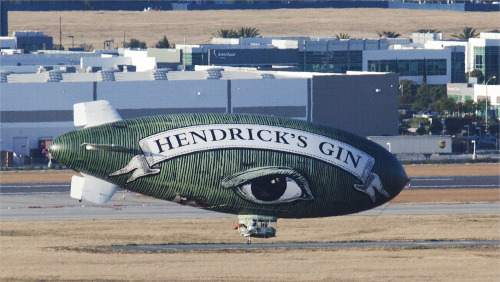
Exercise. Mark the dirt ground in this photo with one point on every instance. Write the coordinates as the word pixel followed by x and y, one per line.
pixel 197 27
pixel 68 250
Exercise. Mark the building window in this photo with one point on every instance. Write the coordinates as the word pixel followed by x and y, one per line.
pixel 478 62
pixel 409 67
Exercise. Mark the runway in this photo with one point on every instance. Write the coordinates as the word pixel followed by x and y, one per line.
pixel 456 182
pixel 198 247
pixel 51 201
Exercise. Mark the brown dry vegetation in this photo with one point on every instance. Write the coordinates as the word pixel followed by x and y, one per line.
pixel 66 250
pixel 94 27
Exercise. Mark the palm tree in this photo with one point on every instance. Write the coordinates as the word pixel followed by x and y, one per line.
pixel 388 34
pixel 342 36
pixel 248 32
pixel 467 32
pixel 428 31
pixel 226 33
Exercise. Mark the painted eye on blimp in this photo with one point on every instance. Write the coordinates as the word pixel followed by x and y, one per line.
pixel 269 185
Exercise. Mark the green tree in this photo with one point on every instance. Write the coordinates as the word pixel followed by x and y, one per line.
pixel 421 130
pixel 437 92
pixel 163 43
pixel 225 33
pixel 134 43
pixel 388 34
pixel 248 32
pixel 428 31
pixel 436 127
pixel 481 106
pixel 470 107
pixel 466 33
pixel 342 36
pixel 494 128
pixel 407 92
pixel 449 105
pixel 475 73
pixel 423 98
pixel 454 125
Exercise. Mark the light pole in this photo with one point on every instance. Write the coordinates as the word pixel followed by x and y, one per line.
pixel 486 107
pixel 467 131
pixel 389 144
pixel 72 41
pixel 474 154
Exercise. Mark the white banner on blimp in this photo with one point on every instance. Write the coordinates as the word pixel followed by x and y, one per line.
pixel 181 141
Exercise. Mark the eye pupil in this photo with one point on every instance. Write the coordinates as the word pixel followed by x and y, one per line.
pixel 268 188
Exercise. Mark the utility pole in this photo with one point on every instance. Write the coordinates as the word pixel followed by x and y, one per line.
pixel 60 33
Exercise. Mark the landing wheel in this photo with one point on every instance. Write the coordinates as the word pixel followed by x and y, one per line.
pixel 249 241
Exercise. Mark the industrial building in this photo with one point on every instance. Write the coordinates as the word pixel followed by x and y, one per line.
pixel 348 84
pixel 27 41
pixel 423 57
pixel 35 108
pixel 410 58
pixel 462 92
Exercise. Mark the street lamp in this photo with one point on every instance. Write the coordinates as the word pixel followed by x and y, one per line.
pixel 389 144
pixel 486 110
pixel 474 154
pixel 72 41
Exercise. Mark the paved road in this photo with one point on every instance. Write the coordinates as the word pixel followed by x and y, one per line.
pixel 427 182
pixel 51 201
pixel 456 182
pixel 190 247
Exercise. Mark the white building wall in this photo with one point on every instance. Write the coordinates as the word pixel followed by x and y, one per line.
pixel 105 63
pixel 7 42
pixel 269 92
pixel 38 98
pixel 478 42
pixel 164 94
pixel 492 91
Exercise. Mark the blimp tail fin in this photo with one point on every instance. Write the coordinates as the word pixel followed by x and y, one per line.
pixel 94 113
pixel 91 189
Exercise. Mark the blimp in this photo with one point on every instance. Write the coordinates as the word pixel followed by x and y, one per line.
pixel 257 167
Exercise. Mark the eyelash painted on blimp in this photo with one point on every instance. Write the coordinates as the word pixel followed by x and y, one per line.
pixel 269 185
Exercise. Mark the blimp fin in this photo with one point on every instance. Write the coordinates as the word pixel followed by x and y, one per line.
pixel 91 189
pixel 94 113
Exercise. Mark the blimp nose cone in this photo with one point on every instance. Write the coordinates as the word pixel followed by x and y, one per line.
pixel 57 149
pixel 64 150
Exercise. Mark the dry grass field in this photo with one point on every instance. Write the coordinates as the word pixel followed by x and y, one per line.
pixel 197 27
pixel 71 251
pixel 67 250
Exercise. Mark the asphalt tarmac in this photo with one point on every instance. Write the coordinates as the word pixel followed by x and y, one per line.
pixel 197 247
pixel 51 201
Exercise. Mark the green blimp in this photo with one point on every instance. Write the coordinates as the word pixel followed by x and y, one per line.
pixel 258 167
